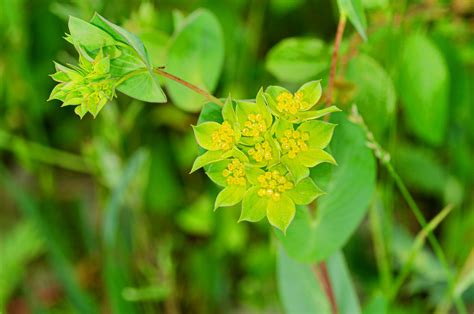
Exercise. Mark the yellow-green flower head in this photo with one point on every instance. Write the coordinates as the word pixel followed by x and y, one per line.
pixel 274 194
pixel 303 147
pixel 296 107
pixel 254 119
pixel 88 86
pixel 235 173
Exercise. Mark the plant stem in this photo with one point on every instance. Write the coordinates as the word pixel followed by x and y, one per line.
pixel 192 87
pixel 322 276
pixel 335 55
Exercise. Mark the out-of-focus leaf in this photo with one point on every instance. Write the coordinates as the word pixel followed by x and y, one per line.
pixel 374 4
pixel 298 59
pixel 377 305
pixel 349 191
pixel 17 248
pixel 285 6
pixel 302 293
pixel 196 54
pixel 420 169
pixel 355 12
pixel 197 218
pixel 423 86
pixel 375 93
pixel 466 276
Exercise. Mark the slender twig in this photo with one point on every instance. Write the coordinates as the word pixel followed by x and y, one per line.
pixel 334 58
pixel 322 276
pixel 192 87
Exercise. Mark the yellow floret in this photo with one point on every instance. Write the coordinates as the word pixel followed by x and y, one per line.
pixel 254 126
pixel 294 142
pixel 288 103
pixel 223 138
pixel 273 184
pixel 261 152
pixel 235 173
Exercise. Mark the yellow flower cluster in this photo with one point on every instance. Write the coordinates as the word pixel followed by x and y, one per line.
pixel 294 142
pixel 235 173
pixel 255 125
pixel 223 138
pixel 288 103
pixel 273 184
pixel 261 152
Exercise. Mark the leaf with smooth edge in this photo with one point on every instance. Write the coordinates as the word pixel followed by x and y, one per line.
pixel 228 112
pixel 341 209
pixel 214 172
pixel 315 156
pixel 320 132
pixel 206 159
pixel 253 173
pixel 375 94
pixel 355 12
pixel 203 133
pixel 254 207
pixel 296 169
pixel 145 87
pixel 304 192
pixel 312 92
pixel 230 196
pixel 88 36
pixel 210 112
pixel 196 54
pixel 314 114
pixel 424 93
pixel 300 292
pixel 297 59
pixel 280 213
pixel 122 35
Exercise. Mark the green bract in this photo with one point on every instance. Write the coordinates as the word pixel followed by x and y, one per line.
pixel 110 58
pixel 262 156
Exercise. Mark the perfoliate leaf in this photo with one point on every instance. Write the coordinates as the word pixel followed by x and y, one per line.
pixel 254 207
pixel 297 170
pixel 304 192
pixel 230 196
pixel 88 36
pixel 207 158
pixel 314 157
pixel 203 133
pixel 320 132
pixel 280 213
pixel 312 92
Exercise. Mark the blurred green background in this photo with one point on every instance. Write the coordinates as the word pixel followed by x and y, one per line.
pixel 102 216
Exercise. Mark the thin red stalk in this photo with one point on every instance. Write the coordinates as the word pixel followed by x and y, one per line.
pixel 322 276
pixel 192 87
pixel 335 55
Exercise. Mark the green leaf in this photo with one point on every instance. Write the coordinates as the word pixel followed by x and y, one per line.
pixel 210 112
pixel 207 158
pixel 196 54
pixel 230 196
pixel 297 59
pixel 315 156
pixel 314 114
pixel 424 93
pixel 254 207
pixel 320 132
pixel 355 12
pixel 375 93
pixel 214 172
pixel 281 213
pixel 349 191
pixel 304 192
pixel 144 86
pixel 312 92
pixel 302 293
pixel 88 36
pixel 295 167
pixel 203 133
pixel 298 288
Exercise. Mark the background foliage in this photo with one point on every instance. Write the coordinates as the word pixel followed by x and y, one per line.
pixel 103 216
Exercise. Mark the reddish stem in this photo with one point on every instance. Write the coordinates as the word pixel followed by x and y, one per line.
pixel 192 87
pixel 335 54
pixel 322 276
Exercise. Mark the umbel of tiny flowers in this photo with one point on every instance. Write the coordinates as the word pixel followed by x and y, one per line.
pixel 296 107
pixel 262 158
pixel 88 86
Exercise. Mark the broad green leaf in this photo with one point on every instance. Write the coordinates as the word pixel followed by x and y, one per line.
pixel 144 86
pixel 320 132
pixel 280 213
pixel 88 36
pixel 312 92
pixel 254 207
pixel 210 112
pixel 203 133
pixel 297 170
pixel 377 304
pixel 297 59
pixel 301 292
pixel 304 192
pixel 375 93
pixel 230 196
pixel 355 12
pixel 196 54
pixel 315 156
pixel 423 86
pixel 207 158
pixel 314 114
pixel 341 209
